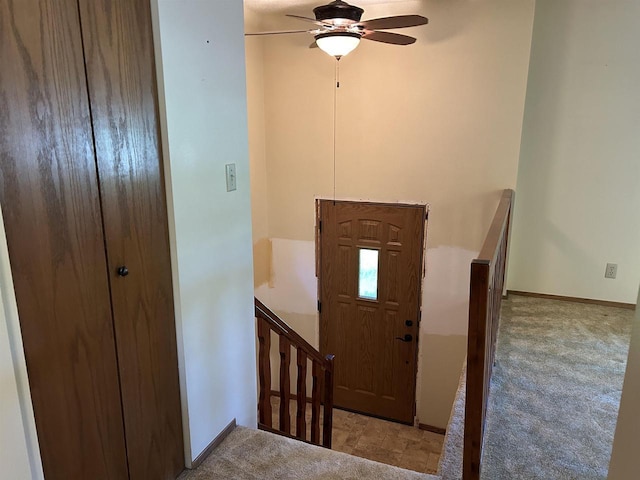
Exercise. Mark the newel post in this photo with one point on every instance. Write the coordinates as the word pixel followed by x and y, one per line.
pixel 328 402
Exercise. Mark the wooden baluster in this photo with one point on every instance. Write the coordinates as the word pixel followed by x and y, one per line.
pixel 301 421
pixel 264 372
pixel 322 389
pixel 315 403
pixel 285 384
pixel 328 402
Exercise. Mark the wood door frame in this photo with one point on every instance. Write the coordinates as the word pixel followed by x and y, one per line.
pixel 423 249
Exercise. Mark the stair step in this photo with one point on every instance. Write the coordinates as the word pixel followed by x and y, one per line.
pixel 253 454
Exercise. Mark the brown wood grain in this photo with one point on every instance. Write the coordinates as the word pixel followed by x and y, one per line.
pixel 327 420
pixel 375 372
pixel 321 371
pixel 497 228
pixel 301 419
pixel 316 399
pixel 285 384
pixel 476 345
pixel 49 196
pixel 264 373
pixel 485 298
pixel 282 329
pixel 431 428
pixel 292 396
pixel 120 67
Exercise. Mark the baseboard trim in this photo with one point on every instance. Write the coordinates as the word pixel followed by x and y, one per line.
pixel 604 303
pixel 216 441
pixel 431 428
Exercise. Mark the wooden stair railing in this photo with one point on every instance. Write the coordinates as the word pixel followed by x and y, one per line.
pixel 322 386
pixel 485 299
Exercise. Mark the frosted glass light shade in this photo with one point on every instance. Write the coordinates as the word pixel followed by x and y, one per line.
pixel 338 44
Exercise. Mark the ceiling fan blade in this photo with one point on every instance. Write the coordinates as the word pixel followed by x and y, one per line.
pixel 312 20
pixel 387 37
pixel 399 21
pixel 277 32
pixel 313 45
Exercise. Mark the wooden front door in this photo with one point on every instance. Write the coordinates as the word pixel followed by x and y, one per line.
pixel 370 261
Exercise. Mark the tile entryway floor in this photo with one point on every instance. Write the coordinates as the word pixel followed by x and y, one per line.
pixel 380 440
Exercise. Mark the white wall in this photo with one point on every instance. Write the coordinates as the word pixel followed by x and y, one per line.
pixel 624 458
pixel 578 189
pixel 438 122
pixel 201 65
pixel 19 452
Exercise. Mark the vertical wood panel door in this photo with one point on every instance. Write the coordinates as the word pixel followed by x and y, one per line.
pixel 370 283
pixel 49 196
pixel 118 45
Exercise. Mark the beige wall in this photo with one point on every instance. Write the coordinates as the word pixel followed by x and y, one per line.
pixel 257 151
pixel 624 459
pixel 438 122
pixel 578 189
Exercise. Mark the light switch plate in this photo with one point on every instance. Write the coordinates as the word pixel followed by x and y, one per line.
pixel 230 169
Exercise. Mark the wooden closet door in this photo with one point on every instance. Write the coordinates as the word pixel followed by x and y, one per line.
pixel 49 196
pixel 119 57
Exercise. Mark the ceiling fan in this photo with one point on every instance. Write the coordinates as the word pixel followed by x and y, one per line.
pixel 338 28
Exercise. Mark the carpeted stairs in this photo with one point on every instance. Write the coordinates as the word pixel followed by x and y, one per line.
pixel 551 415
pixel 248 454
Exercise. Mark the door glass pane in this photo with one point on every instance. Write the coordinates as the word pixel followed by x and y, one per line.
pixel 368 274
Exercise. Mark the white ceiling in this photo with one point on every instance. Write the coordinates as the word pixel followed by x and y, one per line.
pixel 296 5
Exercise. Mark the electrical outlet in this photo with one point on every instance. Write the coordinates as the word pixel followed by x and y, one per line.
pixel 230 169
pixel 611 270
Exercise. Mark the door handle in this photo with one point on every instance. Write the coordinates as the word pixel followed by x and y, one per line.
pixel 122 271
pixel 407 338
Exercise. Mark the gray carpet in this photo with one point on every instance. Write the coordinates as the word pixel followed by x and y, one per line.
pixel 450 466
pixel 552 410
pixel 248 454
pixel 555 393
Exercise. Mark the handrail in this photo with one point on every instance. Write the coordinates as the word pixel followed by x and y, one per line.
pixel 497 228
pixel 321 372
pixel 281 328
pixel 485 299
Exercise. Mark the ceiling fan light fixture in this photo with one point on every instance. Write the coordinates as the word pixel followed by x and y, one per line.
pixel 337 44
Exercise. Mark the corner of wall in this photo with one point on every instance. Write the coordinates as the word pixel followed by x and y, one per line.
pixel 18 438
pixel 171 222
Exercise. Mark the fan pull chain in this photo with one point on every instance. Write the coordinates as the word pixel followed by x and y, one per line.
pixel 335 108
